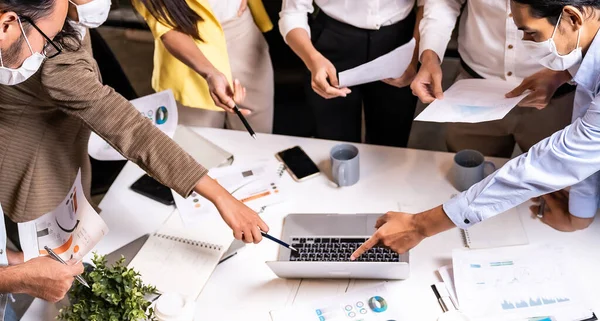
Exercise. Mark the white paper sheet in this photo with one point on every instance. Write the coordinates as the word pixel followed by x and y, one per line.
pixel 376 303
pixel 447 275
pixel 513 283
pixel 71 230
pixel 256 185
pixel 391 65
pixel 159 108
pixel 472 101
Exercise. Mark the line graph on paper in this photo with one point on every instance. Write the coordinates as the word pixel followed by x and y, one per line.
pixel 512 281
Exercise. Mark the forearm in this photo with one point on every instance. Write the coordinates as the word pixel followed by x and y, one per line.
pixel 183 47
pixel 417 34
pixel 579 223
pixel 211 190
pixel 301 44
pixel 11 279
pixel 432 222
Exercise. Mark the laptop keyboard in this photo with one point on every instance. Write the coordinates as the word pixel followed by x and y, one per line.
pixel 332 249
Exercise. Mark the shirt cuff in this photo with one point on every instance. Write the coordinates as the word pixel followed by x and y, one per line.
pixel 289 22
pixel 458 211
pixel 432 43
pixel 583 206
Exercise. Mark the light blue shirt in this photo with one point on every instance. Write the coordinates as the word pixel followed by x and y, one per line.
pixel 570 157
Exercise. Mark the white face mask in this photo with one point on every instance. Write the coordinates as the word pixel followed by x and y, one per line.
pixel 30 66
pixel 92 14
pixel 546 53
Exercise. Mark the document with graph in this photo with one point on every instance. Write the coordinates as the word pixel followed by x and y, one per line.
pixel 516 283
pixel 472 101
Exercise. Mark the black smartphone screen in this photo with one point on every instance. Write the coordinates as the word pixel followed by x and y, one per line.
pixel 298 162
pixel 151 188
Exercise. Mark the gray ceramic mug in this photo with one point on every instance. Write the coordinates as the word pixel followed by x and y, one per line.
pixel 469 169
pixel 345 165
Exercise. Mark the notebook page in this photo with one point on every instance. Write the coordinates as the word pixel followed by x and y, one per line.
pixel 505 229
pixel 181 260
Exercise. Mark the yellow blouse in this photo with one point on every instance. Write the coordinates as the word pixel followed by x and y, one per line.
pixel 189 88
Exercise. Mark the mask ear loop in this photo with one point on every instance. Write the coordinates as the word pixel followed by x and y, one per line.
pixel 556 26
pixel 24 35
pixel 1 61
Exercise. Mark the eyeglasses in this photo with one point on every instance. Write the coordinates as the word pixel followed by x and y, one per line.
pixel 57 48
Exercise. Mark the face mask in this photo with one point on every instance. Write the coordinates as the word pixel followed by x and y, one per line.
pixel 30 66
pixel 546 53
pixel 92 14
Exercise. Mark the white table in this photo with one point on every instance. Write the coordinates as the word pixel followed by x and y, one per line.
pixel 244 288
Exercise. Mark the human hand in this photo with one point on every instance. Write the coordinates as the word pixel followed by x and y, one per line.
pixel 543 84
pixel 556 213
pixel 47 279
pixel 324 79
pixel 223 95
pixel 406 78
pixel 427 84
pixel 243 7
pixel 14 258
pixel 245 223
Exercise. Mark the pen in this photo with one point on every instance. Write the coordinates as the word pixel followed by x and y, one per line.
pixel 244 121
pixel 439 298
pixel 542 208
pixel 278 241
pixel 56 257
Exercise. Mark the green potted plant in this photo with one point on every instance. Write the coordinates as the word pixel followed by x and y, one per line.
pixel 116 293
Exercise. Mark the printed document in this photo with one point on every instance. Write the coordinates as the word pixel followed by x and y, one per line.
pixel 391 65
pixel 159 108
pixel 519 282
pixel 472 101
pixel 71 230
pixel 256 185
pixel 376 303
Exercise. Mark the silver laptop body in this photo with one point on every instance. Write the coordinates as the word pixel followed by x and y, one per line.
pixel 325 241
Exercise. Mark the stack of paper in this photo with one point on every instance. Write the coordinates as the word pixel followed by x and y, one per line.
pixel 517 283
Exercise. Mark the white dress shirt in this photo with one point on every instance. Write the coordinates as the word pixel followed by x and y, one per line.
pixel 488 41
pixel 570 157
pixel 225 10
pixel 364 14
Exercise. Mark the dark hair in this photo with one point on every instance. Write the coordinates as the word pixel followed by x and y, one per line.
pixel 551 9
pixel 175 13
pixel 68 37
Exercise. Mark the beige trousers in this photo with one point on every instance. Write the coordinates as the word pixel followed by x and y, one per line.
pixel 523 126
pixel 251 64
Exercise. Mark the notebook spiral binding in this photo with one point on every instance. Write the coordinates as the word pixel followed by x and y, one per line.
pixel 466 238
pixel 280 170
pixel 205 245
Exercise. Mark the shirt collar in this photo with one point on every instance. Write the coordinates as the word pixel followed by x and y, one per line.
pixel 589 71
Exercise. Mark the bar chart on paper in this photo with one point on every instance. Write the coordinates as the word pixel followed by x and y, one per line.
pixel 515 282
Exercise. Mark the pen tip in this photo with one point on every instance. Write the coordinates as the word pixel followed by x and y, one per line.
pixel 293 249
pixel 254 136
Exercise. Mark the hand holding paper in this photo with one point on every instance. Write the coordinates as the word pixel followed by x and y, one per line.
pixel 391 65
pixel 472 101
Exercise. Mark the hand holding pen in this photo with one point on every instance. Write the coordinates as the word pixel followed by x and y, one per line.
pixel 59 259
pixel 227 98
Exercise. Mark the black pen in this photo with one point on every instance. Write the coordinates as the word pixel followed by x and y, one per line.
pixel 244 121
pixel 439 298
pixel 542 208
pixel 56 257
pixel 278 241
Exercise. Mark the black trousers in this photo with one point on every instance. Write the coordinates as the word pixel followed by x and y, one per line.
pixel 388 110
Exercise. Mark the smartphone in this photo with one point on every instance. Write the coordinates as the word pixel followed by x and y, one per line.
pixel 298 164
pixel 151 188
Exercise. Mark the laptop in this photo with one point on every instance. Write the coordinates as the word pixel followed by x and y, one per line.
pixel 325 243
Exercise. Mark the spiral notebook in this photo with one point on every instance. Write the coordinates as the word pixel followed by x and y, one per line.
pixel 181 260
pixel 504 229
